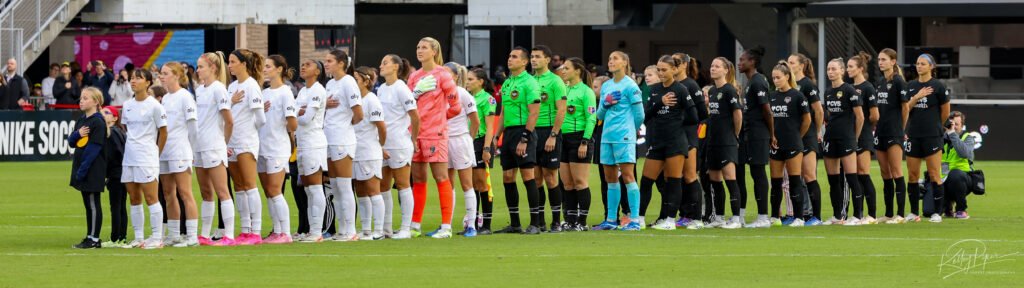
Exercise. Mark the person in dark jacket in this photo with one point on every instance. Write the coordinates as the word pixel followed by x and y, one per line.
pixel 89 168
pixel 65 88
pixel 101 78
pixel 113 149
pixel 15 87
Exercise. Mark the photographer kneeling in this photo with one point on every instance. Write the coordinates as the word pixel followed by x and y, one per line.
pixel 957 160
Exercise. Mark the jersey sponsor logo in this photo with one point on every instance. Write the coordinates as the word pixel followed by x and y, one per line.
pixel 761 94
pixel 375 113
pixel 888 86
pixel 316 98
pixel 859 92
pixel 290 108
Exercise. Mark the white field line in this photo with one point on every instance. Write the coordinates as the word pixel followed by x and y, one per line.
pixel 812 237
pixel 278 255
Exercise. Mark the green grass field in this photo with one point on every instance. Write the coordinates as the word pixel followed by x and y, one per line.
pixel 41 217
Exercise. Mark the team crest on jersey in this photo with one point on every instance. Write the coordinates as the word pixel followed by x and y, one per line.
pixel 719 96
pixel 859 92
pixel 839 94
pixel 592 110
pixel 514 95
pixel 888 86
pixel 543 96
pixel 571 109
pixel 787 99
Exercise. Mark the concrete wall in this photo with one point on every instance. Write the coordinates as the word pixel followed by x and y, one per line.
pixel 253 37
pixel 506 13
pixel 308 12
pixel 938 33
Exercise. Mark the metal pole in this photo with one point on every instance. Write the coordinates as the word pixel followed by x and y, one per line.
pixel 899 41
pixel 821 55
pixel 465 42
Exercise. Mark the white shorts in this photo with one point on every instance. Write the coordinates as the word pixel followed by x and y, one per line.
pixel 398 158
pixel 460 152
pixel 210 159
pixel 338 152
pixel 311 160
pixel 271 165
pixel 174 166
pixel 364 170
pixel 242 150
pixel 137 174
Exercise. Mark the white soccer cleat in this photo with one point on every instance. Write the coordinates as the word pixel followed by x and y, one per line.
pixel 936 218
pixel 442 234
pixel 345 237
pixel 734 223
pixel 153 243
pixel 311 238
pixel 366 236
pixel 186 243
pixel 852 221
pixel 868 221
pixel 134 244
pixel 833 221
pixel 797 223
pixel 695 225
pixel 761 222
pixel 716 223
pixel 666 224
pixel 896 220
pixel 402 234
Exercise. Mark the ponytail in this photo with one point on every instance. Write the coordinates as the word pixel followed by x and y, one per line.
pixel 366 74
pixel 253 63
pixel 892 55
pixel 862 58
pixel 216 61
pixel 577 64
pixel 342 57
pixel 783 67
pixel 808 66
pixel 488 85
pixel 281 62
pixel 404 67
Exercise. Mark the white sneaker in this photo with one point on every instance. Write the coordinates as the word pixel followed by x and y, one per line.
pixel 298 235
pixel 868 221
pixel 936 218
pixel 759 223
pixel 913 218
pixel 896 220
pixel 734 223
pixel 797 223
pixel 153 243
pixel 833 221
pixel 883 219
pixel 345 238
pixel 695 225
pixel 311 238
pixel 134 244
pixel 666 224
pixel 173 241
pixel 388 231
pixel 366 236
pixel 402 234
pixel 717 222
pixel 852 221
pixel 190 242
pixel 378 235
pixel 443 234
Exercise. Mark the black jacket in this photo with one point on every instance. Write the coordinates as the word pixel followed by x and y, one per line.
pixel 65 95
pixel 15 88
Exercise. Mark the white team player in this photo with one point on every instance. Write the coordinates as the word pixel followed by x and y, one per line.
pixel 210 158
pixel 244 145
pixel 366 166
pixel 276 145
pixel 343 112
pixel 146 133
pixel 176 158
pixel 461 156
pixel 403 125
pixel 311 146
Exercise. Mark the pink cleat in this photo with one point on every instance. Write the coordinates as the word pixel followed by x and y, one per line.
pixel 224 241
pixel 270 238
pixel 203 241
pixel 278 238
pixel 250 239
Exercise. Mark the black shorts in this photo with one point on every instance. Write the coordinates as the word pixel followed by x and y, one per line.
pixel 884 142
pixel 783 154
pixel 866 144
pixel 837 148
pixel 570 149
pixel 811 145
pixel 665 145
pixel 719 156
pixel 754 152
pixel 691 136
pixel 547 159
pixel 509 159
pixel 478 150
pixel 922 147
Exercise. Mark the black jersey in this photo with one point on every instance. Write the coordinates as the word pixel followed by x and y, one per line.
pixel 755 97
pixel 788 109
pixel 96 175
pixel 891 97
pixel 721 104
pixel 839 103
pixel 868 101
pixel 698 98
pixel 810 92
pixel 669 120
pixel 925 120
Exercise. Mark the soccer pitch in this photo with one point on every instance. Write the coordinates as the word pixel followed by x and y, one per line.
pixel 41 217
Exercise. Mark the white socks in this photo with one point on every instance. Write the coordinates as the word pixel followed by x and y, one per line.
pixel 206 213
pixel 242 202
pixel 343 189
pixel 191 225
pixel 139 221
pixel 389 207
pixel 273 214
pixel 255 211
pixel 317 204
pixel 156 221
pixel 406 204
pixel 174 227
pixel 470 196
pixel 227 213
pixel 365 210
pixel 280 214
pixel 377 202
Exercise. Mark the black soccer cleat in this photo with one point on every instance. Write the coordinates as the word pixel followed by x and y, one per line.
pixel 509 229
pixel 483 231
pixel 87 244
pixel 532 230
pixel 555 228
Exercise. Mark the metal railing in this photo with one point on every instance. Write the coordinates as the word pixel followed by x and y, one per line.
pixel 22 23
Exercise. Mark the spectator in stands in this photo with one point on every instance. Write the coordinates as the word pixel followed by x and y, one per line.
pixel 15 87
pixel 957 160
pixel 101 78
pixel 79 77
pixel 65 87
pixel 121 90
pixel 556 61
pixel 48 84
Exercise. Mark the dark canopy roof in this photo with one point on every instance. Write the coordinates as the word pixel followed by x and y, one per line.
pixel 917 8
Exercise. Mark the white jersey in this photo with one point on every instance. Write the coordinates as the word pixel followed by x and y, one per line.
pixel 274 140
pixel 310 134
pixel 369 147
pixel 180 108
pixel 397 100
pixel 143 120
pixel 339 128
pixel 244 132
pixel 211 100
pixel 459 124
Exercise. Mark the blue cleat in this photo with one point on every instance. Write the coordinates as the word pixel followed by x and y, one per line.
pixel 788 220
pixel 470 232
pixel 605 226
pixel 632 226
pixel 683 222
pixel 431 233
pixel 814 221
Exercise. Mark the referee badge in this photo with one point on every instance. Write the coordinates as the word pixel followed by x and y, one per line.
pixel 571 109
pixel 543 96
pixel 514 95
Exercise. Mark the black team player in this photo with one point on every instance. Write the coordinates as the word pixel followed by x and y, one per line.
pixel 689 207
pixel 726 118
pixel 670 110
pixel 520 104
pixel 856 67
pixel 929 109
pixel 892 110
pixel 792 119
pixel 844 123
pixel 803 70
pixel 756 132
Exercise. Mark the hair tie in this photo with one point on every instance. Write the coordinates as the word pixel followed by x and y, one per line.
pixel 238 53
pixel 928 57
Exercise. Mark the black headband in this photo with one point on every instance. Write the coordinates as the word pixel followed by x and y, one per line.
pixel 238 53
